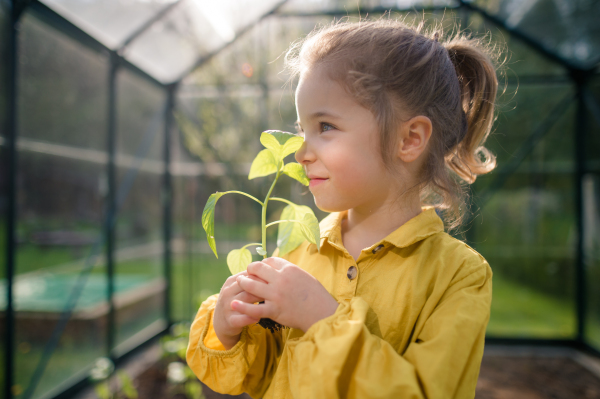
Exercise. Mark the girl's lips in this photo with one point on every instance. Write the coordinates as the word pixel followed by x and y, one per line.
pixel 315 182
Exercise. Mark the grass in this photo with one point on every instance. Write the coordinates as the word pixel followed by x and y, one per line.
pixel 519 311
pixel 66 361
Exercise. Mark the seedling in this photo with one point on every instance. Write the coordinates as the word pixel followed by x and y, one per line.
pixel 298 222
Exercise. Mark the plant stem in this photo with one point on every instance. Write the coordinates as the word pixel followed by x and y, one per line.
pixel 264 213
pixel 282 200
pixel 282 221
pixel 247 195
pixel 258 244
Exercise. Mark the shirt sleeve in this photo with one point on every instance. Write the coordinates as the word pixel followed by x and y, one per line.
pixel 247 367
pixel 338 357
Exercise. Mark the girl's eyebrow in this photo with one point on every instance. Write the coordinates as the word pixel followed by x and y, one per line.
pixel 320 114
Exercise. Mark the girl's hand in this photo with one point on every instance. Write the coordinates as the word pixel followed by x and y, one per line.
pixel 292 296
pixel 228 323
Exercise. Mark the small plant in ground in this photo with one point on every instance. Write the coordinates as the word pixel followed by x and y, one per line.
pixel 179 374
pixel 100 376
pixel 298 222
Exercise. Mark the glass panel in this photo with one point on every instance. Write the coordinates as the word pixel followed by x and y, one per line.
pixel 591 219
pixel 111 22
pixel 175 43
pixel 520 61
pixel 315 6
pixel 592 101
pixel 67 83
pixel 4 26
pixel 60 200
pixel 526 229
pixel 194 29
pixel 591 216
pixel 138 236
pixel 567 28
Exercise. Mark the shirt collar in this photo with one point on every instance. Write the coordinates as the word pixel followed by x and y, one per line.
pixel 425 224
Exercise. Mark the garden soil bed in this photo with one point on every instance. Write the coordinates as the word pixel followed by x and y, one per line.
pixel 529 377
pixel 501 377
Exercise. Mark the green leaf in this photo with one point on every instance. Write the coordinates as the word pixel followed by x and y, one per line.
pixel 193 390
pixel 296 171
pixel 292 234
pixel 103 391
pixel 238 260
pixel 269 140
pixel 127 385
pixel 292 145
pixel 208 220
pixel 281 143
pixel 264 164
pixel 310 229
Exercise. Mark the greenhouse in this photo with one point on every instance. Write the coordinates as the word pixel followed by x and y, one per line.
pixel 118 120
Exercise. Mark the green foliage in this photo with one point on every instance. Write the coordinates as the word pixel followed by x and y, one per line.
pixel 193 390
pixel 298 223
pixel 238 257
pixel 292 234
pixel 264 164
pixel 100 375
pixel 208 220
pixel 127 387
pixel 296 171
pixel 103 391
pixel 281 144
pixel 179 374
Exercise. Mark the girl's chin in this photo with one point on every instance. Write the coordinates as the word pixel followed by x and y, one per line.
pixel 325 207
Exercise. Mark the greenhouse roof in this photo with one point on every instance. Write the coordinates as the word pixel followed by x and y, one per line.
pixel 164 38
pixel 168 38
pixel 567 28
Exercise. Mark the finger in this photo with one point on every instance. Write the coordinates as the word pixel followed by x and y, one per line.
pixel 275 262
pixel 241 320
pixel 254 311
pixel 233 279
pixel 232 290
pixel 248 298
pixel 263 271
pixel 255 278
pixel 253 287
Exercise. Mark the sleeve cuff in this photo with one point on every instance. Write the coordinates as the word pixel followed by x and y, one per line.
pixel 211 341
pixel 354 310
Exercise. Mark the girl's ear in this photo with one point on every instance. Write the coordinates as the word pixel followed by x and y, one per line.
pixel 414 135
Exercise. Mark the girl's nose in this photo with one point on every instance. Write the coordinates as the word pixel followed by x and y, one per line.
pixel 305 155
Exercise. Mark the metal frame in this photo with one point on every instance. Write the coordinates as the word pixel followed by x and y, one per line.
pixel 579 77
pixel 11 168
pixel 111 200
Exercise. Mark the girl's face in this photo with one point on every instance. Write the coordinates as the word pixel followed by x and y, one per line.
pixel 341 147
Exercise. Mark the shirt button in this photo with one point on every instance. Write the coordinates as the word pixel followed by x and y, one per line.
pixel 352 272
pixel 375 250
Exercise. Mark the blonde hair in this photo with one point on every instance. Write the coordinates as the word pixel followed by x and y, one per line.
pixel 398 71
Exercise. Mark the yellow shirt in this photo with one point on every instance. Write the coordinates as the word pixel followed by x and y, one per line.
pixel 411 323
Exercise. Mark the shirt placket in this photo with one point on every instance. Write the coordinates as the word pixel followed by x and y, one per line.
pixel 349 283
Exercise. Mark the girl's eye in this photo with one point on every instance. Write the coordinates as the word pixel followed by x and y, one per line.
pixel 299 130
pixel 326 126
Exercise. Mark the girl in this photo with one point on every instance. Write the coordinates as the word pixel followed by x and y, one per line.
pixel 391 306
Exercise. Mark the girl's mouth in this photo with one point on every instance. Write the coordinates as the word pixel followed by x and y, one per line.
pixel 316 182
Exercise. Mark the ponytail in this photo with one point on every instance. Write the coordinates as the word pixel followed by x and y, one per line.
pixel 478 88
